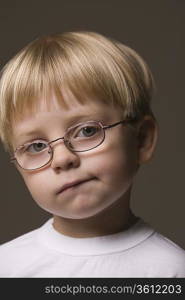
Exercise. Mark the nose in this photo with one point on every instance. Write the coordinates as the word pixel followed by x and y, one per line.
pixel 63 158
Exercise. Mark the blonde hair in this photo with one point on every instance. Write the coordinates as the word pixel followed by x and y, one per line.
pixel 86 63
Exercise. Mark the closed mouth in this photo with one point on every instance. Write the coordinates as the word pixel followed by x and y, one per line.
pixel 73 184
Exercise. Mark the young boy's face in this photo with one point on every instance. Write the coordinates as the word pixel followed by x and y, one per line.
pixel 106 172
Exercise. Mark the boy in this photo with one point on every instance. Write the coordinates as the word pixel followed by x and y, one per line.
pixel 75 116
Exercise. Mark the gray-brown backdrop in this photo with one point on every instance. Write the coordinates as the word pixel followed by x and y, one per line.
pixel 156 30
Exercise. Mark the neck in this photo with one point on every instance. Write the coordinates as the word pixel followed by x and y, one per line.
pixel 116 218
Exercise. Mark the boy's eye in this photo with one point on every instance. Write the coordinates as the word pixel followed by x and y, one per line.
pixel 35 147
pixel 87 131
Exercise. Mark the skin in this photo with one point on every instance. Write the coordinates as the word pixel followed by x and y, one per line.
pixel 101 205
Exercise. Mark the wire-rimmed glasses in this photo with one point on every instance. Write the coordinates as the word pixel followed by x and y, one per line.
pixel 79 138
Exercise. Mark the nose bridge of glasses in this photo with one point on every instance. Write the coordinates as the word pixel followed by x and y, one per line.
pixel 56 140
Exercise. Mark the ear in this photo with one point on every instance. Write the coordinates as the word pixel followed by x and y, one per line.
pixel 147 135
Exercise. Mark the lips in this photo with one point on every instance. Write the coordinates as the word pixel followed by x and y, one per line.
pixel 72 184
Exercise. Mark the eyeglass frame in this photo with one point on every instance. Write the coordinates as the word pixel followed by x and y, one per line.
pixel 50 151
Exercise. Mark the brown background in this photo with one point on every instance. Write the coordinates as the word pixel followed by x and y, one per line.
pixel 156 30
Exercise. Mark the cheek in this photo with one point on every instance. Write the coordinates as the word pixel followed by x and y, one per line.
pixel 38 185
pixel 114 166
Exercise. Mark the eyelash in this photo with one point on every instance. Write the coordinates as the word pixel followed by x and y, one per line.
pixel 35 139
pixel 30 142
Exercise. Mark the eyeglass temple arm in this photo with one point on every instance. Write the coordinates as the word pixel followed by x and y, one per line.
pixel 120 122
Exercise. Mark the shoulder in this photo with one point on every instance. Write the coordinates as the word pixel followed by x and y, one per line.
pixel 19 253
pixel 155 255
pixel 17 245
pixel 166 254
pixel 165 245
pixel 19 241
pixel 26 239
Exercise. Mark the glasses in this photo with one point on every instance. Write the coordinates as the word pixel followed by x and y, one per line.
pixel 79 138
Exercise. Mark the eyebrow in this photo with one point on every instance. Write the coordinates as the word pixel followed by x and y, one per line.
pixel 29 134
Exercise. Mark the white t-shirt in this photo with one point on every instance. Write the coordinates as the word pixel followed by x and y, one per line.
pixel 136 252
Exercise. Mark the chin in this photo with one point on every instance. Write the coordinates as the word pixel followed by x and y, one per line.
pixel 78 214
